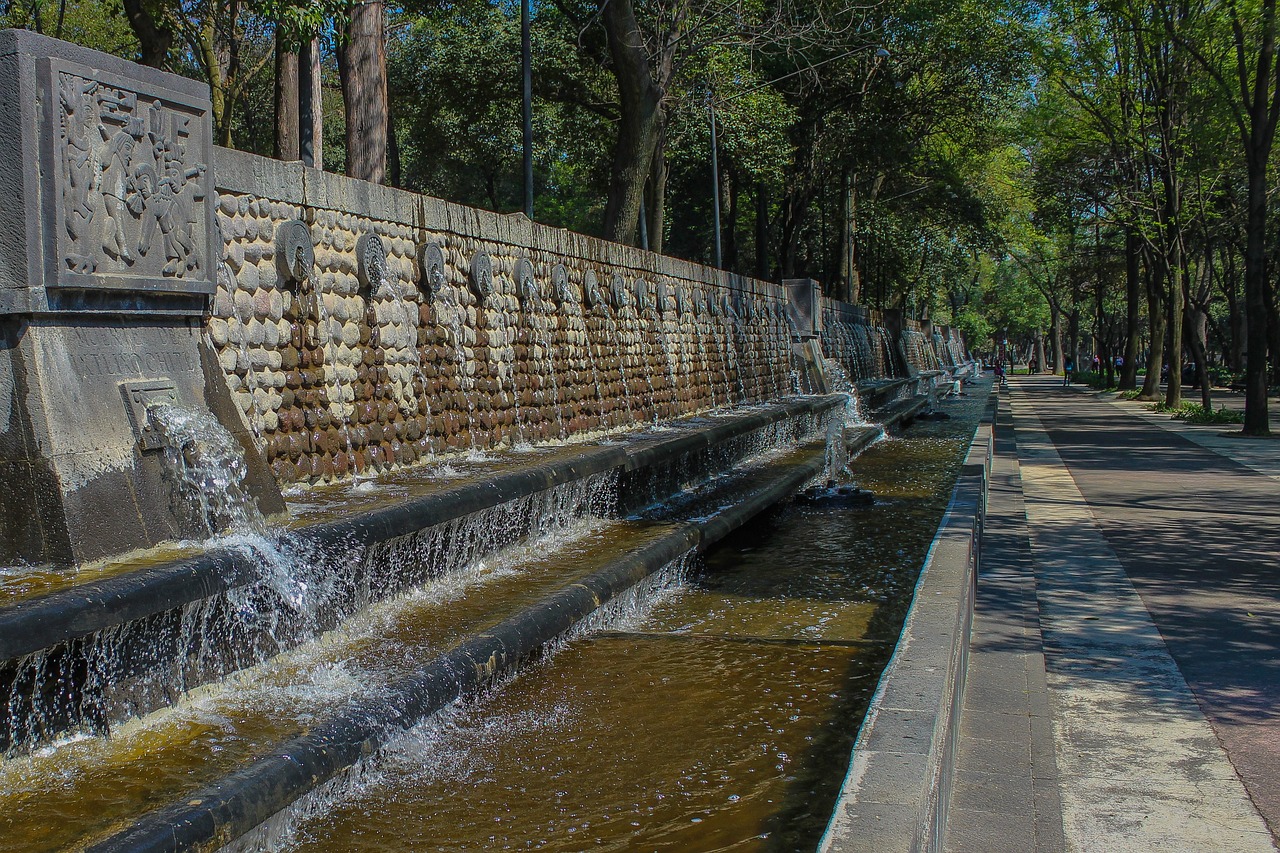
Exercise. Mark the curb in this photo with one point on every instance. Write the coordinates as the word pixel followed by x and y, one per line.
pixel 896 793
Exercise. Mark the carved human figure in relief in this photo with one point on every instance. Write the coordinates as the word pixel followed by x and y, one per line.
pixel 78 116
pixel 117 185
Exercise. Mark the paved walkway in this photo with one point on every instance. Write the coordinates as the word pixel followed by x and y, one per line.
pixel 1124 688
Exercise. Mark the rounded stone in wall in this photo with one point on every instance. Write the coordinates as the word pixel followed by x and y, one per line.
pixel 481 279
pixel 561 291
pixel 713 305
pixel 682 300
pixel 371 261
pixel 431 263
pixel 526 283
pixel 698 302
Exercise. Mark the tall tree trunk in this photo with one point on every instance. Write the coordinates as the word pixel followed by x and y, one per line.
pixel 1156 324
pixel 393 150
pixel 1133 308
pixel 850 278
pixel 639 120
pixel 656 198
pixel 363 66
pixel 1197 323
pixel 310 106
pixel 154 37
pixel 1055 330
pixel 762 230
pixel 1235 313
pixel 795 208
pixel 288 132
pixel 1177 307
pixel 1262 106
pixel 730 190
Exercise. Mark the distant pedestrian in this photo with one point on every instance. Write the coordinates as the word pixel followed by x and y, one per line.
pixel 1067 367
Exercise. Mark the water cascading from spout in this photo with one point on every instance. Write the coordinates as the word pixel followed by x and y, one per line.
pixel 210 468
pixel 544 367
pixel 840 384
pixel 211 471
pixel 454 322
pixel 402 351
pixel 612 322
pixel 732 343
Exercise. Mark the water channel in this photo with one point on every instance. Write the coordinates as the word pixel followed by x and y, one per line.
pixel 713 709
pixel 713 714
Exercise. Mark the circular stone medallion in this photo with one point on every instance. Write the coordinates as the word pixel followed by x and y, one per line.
pixel 295 253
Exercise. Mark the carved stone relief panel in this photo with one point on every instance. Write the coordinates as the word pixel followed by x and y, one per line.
pixel 642 295
pixel 130 203
pixel 481 276
pixel 591 289
pixel 665 300
pixel 431 263
pixel 561 290
pixel 619 295
pixel 527 284
pixel 371 261
pixel 295 253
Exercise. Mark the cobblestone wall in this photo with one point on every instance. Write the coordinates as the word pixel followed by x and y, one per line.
pixel 362 328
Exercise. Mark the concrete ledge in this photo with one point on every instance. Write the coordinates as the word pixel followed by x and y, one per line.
pixel 895 795
pixel 902 412
pixel 40 623
pixel 237 803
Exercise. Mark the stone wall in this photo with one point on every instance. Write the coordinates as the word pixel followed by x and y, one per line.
pixel 362 328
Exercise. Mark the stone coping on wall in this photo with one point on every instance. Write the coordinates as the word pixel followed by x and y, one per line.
pixel 894 797
pixel 293 183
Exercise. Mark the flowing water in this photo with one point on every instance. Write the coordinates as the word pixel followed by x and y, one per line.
pixel 721 719
pixel 717 715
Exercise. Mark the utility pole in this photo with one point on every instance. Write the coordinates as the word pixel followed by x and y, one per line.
pixel 715 179
pixel 526 67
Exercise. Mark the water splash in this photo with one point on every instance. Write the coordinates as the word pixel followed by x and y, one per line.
pixel 211 469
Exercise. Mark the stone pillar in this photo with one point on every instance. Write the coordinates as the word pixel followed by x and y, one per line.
pixel 804 311
pixel 895 324
pixel 108 257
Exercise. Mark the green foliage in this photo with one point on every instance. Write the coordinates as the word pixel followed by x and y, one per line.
pixel 1094 380
pixel 1194 413
pixel 1223 376
pixel 100 25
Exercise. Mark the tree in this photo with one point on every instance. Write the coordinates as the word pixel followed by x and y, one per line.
pixel 362 64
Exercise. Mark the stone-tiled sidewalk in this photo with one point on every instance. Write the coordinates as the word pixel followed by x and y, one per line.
pixel 1005 794
pixel 1112 630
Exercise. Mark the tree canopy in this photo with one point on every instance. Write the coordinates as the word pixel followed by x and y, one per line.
pixel 1066 179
